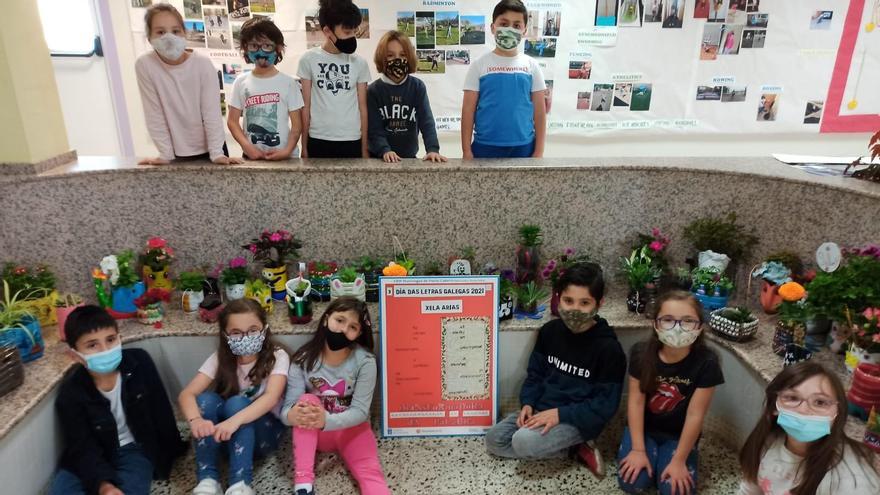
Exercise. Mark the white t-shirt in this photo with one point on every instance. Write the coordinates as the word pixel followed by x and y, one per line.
pixel 115 398
pixel 245 387
pixel 266 103
pixel 776 475
pixel 334 113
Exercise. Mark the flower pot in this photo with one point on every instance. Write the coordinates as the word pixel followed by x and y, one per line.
pixel 786 333
pixel 856 355
pixel 770 298
pixel 157 279
pixel 356 289
pixel 211 285
pixel 123 297
pixel 299 307
pixel 44 308
pixel 210 309
pixel 730 330
pixel 276 278
pixel 710 303
pixel 554 304
pixel 865 390
pixel 795 353
pixel 636 301
pixel 190 300
pixel 62 314
pixel 11 369
pixel 505 308
pixel 527 264
pixel 264 297
pixel 234 291
pixel 151 313
pixel 29 342
pixel 817 333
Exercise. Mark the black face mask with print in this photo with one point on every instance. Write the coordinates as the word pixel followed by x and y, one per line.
pixel 396 69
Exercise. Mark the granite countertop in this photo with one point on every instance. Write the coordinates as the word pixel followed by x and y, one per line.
pixel 42 375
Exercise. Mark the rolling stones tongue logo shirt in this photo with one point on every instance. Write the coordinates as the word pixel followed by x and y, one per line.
pixel 666 407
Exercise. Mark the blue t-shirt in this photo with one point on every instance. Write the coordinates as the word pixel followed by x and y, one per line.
pixel 504 115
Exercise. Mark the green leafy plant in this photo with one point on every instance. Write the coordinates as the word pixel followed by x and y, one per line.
pixel 853 287
pixel 368 264
pixel 402 260
pixel 505 288
pixel 738 314
pixel 127 274
pixel 301 287
pixel 530 235
pixel 25 278
pixel 555 267
pixel 529 295
pixel 274 248
pixel 192 280
pixel 639 269
pixel 14 310
pixel 322 268
pixel 433 268
pixel 255 286
pixel 710 278
pixel 236 273
pixel 347 275
pixel 157 255
pixel 722 235
pixel 68 300
pixel 788 259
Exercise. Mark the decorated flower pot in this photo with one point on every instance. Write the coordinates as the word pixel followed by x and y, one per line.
pixel 211 285
pixel 320 280
pixel 787 332
pixel 731 330
pixel 151 313
pixel 636 301
pixel 356 289
pixel 770 298
pixel 28 340
pixel 210 309
pixel 276 278
pixel 795 353
pixel 817 333
pixel 299 307
pixel 190 300
pixel 234 291
pixel 855 356
pixel 44 308
pixel 505 308
pixel 264 297
pixel 865 390
pixel 123 297
pixel 710 303
pixel 11 369
pixel 527 264
pixel 157 279
pixel 62 314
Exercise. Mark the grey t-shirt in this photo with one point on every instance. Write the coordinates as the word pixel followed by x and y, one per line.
pixel 334 114
pixel 346 391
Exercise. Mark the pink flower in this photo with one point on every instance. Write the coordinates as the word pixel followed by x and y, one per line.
pixel 551 265
pixel 871 313
pixel 655 232
pixel 275 237
pixel 656 246
pixel 876 338
pixel 169 251
pixel 545 274
pixel 569 251
pixel 253 248
pixel 237 262
pixel 156 243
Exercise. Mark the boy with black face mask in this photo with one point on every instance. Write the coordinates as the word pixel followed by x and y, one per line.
pixel 334 85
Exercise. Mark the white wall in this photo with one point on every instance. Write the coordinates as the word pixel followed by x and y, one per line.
pixel 89 116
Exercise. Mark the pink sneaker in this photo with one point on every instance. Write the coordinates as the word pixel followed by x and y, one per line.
pixel 589 454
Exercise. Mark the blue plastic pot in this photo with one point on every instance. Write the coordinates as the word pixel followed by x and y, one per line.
pixel 710 303
pixel 29 343
pixel 123 297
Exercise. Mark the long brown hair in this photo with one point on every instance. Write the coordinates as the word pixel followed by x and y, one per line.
pixel 650 359
pixel 308 355
pixel 823 454
pixel 226 381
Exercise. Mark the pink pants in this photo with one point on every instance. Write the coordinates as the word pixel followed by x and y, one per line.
pixel 356 446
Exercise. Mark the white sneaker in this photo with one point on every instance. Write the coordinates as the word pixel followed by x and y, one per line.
pixel 240 488
pixel 208 486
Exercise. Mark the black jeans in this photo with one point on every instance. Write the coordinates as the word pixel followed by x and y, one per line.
pixel 319 148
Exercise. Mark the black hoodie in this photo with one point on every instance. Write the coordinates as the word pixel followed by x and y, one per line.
pixel 580 374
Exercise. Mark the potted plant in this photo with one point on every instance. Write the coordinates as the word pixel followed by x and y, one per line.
pixel 711 287
pixel 791 325
pixel 191 285
pixel 681 279
pixel 233 278
pixel 872 171
pixel 37 285
pixel 463 264
pixel 736 324
pixel 274 249
pixel 64 305
pixel 719 240
pixel 319 273
pixel 11 369
pixel 777 269
pixel 125 285
pixel 527 254
pixel 299 307
pixel 506 294
pixel 395 269
pixel 657 242
pixel 864 338
pixel 641 274
pixel 348 282
pixel 19 326
pixel 372 269
pixel 864 394
pixel 155 262
pixel 528 296
pixel 260 292
pixel 554 269
pixel 150 307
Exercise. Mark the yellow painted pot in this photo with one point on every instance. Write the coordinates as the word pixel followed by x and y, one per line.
pixel 157 279
pixel 44 308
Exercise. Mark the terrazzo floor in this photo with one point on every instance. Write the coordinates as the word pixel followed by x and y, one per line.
pixel 460 465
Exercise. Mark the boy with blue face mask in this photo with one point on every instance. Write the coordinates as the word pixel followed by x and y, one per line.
pixel 118 426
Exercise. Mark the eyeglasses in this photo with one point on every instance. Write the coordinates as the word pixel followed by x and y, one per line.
pixel 238 334
pixel 687 324
pixel 818 403
pixel 253 46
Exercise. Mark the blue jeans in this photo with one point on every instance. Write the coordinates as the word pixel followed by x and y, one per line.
pixel 134 472
pixel 506 439
pixel 255 439
pixel 659 451
pixel 481 150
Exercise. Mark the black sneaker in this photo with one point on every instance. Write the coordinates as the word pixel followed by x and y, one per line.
pixel 303 491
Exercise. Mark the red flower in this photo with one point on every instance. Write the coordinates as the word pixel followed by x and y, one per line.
pixel 253 248
pixel 156 243
pixel 275 237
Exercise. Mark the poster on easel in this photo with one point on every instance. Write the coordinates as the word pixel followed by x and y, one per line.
pixel 439 354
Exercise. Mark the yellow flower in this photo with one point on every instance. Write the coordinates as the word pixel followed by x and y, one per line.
pixel 792 291
pixel 394 270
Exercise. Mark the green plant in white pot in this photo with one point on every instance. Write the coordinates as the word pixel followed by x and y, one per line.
pixel 348 282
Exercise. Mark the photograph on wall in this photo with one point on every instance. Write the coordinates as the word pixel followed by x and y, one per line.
pixel 641 97
pixel 213 2
pixel 708 93
pixel 717 11
pixel 548 95
pixel 425 29
pixel 653 10
pixel 583 100
pixel 236 34
pixel 579 68
pixel 821 19
pixel 230 72
pixel 314 35
pixel 711 43
pixel 736 12
pixel 813 112
pixel 473 29
pixel 406 23
pixel 731 94
pixel 701 9
pixel 602 96
pixel 141 4
pixel 552 23
pixel 458 57
pixel 753 5
pixel 606 13
pixel 533 24
pixel 541 47
pixel 192 9
pixel 447 28
pixel 195 34
pixel 630 13
pixel 673 14
pixel 239 10
pixel 753 38
pixel 363 30
pixel 217 28
pixel 431 61
pixel 731 34
pixel 757 20
pixel 622 94
pixel 262 6
pixel 768 106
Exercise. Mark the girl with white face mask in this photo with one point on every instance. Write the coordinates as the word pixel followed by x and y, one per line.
pixel 672 378
pixel 179 93
pixel 799 445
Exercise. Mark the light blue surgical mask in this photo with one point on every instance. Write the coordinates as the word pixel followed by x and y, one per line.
pixel 801 427
pixel 270 57
pixel 104 361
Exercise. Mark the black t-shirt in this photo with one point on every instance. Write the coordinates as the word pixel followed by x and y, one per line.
pixel 666 407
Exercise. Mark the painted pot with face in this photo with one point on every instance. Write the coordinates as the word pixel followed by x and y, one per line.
pixel 157 279
pixel 276 277
pixel 260 292
pixel 234 291
pixel 356 289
